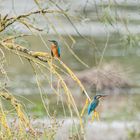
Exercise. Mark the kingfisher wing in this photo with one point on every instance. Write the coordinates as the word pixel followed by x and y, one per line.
pixel 59 51
pixel 92 106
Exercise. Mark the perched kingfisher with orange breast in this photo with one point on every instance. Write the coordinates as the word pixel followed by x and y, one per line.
pixel 55 49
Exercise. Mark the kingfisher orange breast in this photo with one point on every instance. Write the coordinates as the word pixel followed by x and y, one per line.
pixel 54 51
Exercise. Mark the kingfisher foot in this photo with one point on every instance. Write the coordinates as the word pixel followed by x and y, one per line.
pixel 95 115
pixel 92 119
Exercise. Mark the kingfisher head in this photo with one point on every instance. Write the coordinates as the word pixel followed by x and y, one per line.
pixel 97 97
pixel 54 42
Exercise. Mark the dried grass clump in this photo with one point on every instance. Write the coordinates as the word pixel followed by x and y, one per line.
pixel 107 76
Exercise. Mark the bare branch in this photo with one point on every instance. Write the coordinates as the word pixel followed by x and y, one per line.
pixel 5 22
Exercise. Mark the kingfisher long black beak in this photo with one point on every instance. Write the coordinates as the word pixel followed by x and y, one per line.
pixel 101 96
pixel 50 40
pixel 104 95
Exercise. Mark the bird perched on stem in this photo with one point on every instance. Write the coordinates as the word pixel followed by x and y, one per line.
pixel 55 49
pixel 92 106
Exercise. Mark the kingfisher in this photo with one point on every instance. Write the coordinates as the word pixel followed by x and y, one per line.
pixel 55 49
pixel 92 106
